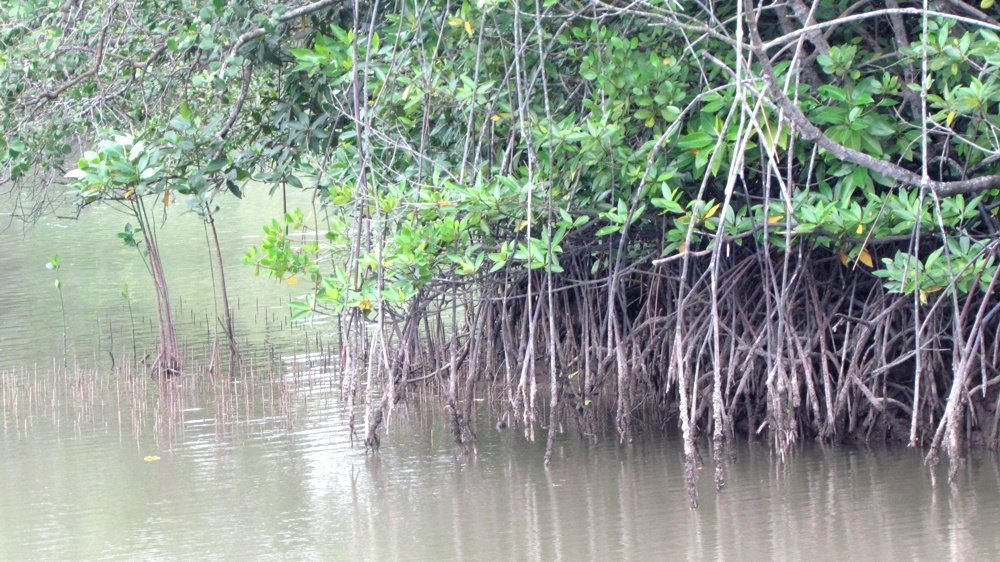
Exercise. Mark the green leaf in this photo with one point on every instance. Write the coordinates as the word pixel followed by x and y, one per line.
pixel 215 165
pixel 670 113
pixel 695 141
pixel 832 92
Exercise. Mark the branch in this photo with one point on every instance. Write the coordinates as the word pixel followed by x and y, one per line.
pixel 959 5
pixel 258 32
pixel 903 41
pixel 805 15
pixel 98 60
pixel 811 132
pixel 235 111
pixel 144 65
pixel 863 16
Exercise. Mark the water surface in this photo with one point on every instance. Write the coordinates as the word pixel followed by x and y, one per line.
pixel 98 465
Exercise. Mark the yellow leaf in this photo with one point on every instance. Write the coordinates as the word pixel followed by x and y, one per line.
pixel 667 60
pixel 711 212
pixel 923 296
pixel 860 229
pixel 166 199
pixel 650 122
pixel 950 118
pixel 986 4
pixel 866 258
pixel 293 281
pixel 468 29
pixel 521 225
pixel 130 193
pixel 843 258
pixel 455 22
pixel 150 458
pixel 682 248
pixel 495 117
pixel 365 304
pixel 775 219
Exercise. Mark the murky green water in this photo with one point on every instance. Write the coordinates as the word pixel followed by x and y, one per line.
pixel 100 466
pixel 96 267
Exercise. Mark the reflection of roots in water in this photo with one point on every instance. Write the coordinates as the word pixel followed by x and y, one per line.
pixel 125 398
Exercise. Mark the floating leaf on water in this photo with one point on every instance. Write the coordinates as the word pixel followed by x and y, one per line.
pixel 150 458
pixel 293 280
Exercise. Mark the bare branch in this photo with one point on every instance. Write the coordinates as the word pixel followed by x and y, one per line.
pixel 869 15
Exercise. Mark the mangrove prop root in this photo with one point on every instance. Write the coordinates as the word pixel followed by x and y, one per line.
pixel 839 367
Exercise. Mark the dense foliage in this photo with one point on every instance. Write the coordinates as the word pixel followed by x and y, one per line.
pixel 661 195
